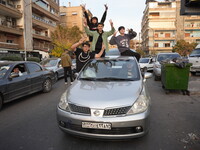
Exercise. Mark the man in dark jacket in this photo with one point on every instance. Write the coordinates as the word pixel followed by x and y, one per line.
pixel 93 22
pixel 123 42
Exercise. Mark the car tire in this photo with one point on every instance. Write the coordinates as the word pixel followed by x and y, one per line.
pixel 156 78
pixel 145 69
pixel 47 86
pixel 1 102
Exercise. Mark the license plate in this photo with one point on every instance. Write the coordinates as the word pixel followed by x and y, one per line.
pixel 94 125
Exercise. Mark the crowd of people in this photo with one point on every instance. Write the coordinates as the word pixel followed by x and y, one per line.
pixel 98 43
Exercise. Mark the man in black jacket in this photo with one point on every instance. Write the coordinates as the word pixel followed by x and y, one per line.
pixel 93 22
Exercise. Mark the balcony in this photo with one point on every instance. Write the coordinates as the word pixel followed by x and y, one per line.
pixel 39 10
pixel 9 45
pixel 10 29
pixel 41 36
pixel 41 23
pixel 8 10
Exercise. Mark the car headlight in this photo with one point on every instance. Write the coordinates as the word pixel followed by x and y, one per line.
pixel 157 66
pixel 140 105
pixel 63 104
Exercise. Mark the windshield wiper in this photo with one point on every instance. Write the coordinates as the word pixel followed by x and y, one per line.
pixel 115 79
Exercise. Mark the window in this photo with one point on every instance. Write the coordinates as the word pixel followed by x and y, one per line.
pixel 74 13
pixel 155 44
pixel 63 13
pixel 166 44
pixel 167 35
pixel 34 68
pixel 9 41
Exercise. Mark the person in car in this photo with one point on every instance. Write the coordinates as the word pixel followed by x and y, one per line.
pixel 123 42
pixel 83 55
pixel 17 71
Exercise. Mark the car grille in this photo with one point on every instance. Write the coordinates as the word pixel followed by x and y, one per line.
pixel 116 111
pixel 79 109
pixel 113 131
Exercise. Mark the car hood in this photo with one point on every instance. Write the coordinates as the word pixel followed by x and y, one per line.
pixel 142 65
pixel 102 95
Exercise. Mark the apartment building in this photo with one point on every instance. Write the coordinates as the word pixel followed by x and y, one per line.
pixel 27 24
pixel 72 16
pixel 11 25
pixel 162 26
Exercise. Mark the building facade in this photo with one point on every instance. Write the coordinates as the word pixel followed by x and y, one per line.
pixel 26 25
pixel 162 26
pixel 73 16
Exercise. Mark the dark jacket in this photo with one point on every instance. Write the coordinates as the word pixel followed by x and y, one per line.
pixel 92 26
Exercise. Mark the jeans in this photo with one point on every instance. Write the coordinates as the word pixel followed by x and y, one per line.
pixel 68 71
pixel 131 53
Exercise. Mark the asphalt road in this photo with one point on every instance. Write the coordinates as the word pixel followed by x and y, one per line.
pixel 30 124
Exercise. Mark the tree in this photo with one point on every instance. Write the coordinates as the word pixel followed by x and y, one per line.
pixel 140 51
pixel 183 48
pixel 63 38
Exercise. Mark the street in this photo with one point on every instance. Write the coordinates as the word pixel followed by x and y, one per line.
pixel 30 123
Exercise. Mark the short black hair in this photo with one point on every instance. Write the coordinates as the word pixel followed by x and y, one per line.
pixel 121 27
pixel 100 23
pixel 86 43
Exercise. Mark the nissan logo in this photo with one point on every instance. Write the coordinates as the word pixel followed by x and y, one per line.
pixel 96 113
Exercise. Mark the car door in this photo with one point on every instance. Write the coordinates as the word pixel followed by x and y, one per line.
pixel 18 86
pixel 60 69
pixel 36 76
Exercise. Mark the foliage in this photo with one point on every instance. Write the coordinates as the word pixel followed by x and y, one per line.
pixel 183 48
pixel 140 51
pixel 35 59
pixel 63 38
pixel 12 58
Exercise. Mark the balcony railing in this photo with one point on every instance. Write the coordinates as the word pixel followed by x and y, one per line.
pixel 43 20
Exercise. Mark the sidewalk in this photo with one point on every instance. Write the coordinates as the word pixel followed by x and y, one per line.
pixel 194 84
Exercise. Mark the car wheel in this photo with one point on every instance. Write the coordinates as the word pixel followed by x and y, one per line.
pixel 193 73
pixel 156 78
pixel 145 69
pixel 1 102
pixel 56 76
pixel 47 85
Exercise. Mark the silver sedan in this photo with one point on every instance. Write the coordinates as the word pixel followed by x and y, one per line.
pixel 108 100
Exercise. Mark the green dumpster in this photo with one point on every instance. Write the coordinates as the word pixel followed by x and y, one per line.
pixel 175 78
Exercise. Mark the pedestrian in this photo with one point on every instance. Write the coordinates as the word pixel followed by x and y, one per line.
pixel 84 55
pixel 66 63
pixel 123 42
pixel 100 37
pixel 93 22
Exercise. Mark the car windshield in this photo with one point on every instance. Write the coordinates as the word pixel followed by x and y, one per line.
pixel 3 69
pixel 195 52
pixel 110 70
pixel 144 60
pixel 49 62
pixel 162 57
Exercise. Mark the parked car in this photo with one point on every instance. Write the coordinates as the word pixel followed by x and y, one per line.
pixel 18 79
pixel 194 58
pixel 114 52
pixel 146 63
pixel 54 64
pixel 109 100
pixel 161 57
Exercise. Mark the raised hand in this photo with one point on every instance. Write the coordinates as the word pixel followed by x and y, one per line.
pixel 114 34
pixel 106 6
pixel 82 40
pixel 111 23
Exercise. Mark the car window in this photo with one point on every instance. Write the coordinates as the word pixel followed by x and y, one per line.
pixel 19 70
pixel 110 70
pixel 49 62
pixel 34 67
pixel 195 52
pixel 3 70
pixel 144 60
pixel 162 57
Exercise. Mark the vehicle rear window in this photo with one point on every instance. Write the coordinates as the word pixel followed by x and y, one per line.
pixel 162 57
pixel 195 52
pixel 144 60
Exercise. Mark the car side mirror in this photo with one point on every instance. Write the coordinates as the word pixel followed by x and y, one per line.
pixel 76 75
